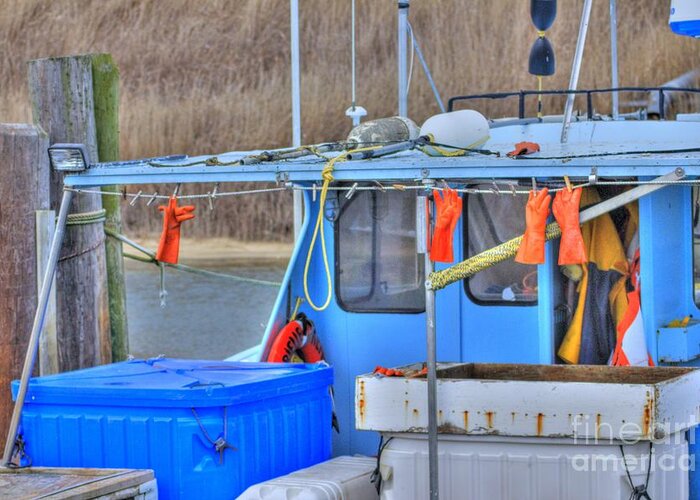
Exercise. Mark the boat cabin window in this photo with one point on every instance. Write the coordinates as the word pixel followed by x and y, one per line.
pixel 377 267
pixel 491 219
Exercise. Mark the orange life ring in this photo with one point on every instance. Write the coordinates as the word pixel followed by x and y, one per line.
pixel 299 338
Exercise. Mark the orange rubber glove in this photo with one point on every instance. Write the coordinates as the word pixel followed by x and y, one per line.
pixel 173 216
pixel 565 208
pixel 531 249
pixel 449 209
pixel 524 148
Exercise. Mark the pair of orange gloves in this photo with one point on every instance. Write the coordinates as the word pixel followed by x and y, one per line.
pixel 566 211
pixel 173 217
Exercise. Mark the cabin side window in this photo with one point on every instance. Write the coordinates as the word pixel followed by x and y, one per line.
pixel 490 220
pixel 377 268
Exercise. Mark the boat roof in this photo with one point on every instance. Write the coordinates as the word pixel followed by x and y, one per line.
pixel 602 148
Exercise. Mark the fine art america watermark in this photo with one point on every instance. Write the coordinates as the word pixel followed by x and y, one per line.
pixel 641 450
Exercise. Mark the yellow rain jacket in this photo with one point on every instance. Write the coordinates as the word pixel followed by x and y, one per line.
pixel 591 336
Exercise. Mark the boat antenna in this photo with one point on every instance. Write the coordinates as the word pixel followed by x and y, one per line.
pixel 296 103
pixel 576 68
pixel 355 112
pixel 402 54
pixel 615 81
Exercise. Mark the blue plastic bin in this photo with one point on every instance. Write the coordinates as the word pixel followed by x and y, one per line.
pixel 163 414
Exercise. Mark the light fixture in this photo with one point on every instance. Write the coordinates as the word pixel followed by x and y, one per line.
pixel 68 157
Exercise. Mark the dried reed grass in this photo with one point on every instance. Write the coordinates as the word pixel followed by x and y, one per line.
pixel 211 76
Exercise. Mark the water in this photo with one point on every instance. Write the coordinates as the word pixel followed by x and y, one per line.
pixel 205 318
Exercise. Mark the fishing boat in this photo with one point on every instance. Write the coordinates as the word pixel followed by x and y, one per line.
pixel 570 373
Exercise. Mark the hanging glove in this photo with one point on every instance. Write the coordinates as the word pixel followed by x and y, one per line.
pixel 531 249
pixel 173 216
pixel 565 208
pixel 448 208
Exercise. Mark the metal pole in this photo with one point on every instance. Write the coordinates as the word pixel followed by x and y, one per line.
pixel 38 325
pixel 613 60
pixel 578 57
pixel 422 234
pixel 402 54
pixel 296 104
pixel 426 70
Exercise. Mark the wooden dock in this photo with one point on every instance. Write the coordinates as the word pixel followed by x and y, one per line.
pixel 76 484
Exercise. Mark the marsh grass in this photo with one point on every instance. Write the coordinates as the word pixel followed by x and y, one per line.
pixel 211 76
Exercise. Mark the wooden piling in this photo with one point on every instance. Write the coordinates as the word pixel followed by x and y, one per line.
pixel 62 104
pixel 105 87
pixel 24 188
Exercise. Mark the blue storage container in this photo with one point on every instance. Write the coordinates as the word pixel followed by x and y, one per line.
pixel 167 415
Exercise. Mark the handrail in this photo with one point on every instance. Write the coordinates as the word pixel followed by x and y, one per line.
pixel 522 94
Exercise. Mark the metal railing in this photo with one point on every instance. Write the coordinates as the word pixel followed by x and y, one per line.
pixel 522 94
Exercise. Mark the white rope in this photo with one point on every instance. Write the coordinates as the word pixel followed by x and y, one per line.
pixel 499 189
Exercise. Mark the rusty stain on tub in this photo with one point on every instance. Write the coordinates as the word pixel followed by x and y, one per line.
pixel 647 414
pixel 465 416
pixel 597 425
pixel 361 402
pixel 489 419
pixel 540 423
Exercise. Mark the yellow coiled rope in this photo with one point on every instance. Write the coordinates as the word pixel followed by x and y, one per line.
pixel 327 176
pixel 440 279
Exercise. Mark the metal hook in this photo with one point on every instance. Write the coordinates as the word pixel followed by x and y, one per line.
pixel 133 201
pixel 153 198
pixel 351 192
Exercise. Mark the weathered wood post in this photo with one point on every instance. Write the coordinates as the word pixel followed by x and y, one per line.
pixel 24 188
pixel 105 89
pixel 62 104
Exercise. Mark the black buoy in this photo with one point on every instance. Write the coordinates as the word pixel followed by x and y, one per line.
pixel 542 61
pixel 543 13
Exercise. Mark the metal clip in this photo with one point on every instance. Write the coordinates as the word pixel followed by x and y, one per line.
pixel 313 193
pixel 380 186
pixel 212 196
pixel 593 176
pixel 512 189
pixel 534 184
pixel 162 293
pixel 282 178
pixel 495 188
pixel 351 192
pixel 568 183
pixel 153 198
pixel 133 201
pixel 177 189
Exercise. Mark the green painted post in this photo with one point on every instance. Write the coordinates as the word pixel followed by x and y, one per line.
pixel 105 84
